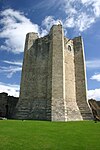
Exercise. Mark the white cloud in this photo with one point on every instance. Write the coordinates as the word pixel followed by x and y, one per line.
pixel 96 77
pixel 78 15
pixel 15 26
pixel 43 32
pixel 81 22
pixel 93 64
pixel 95 94
pixel 88 2
pixel 14 66
pixel 69 7
pixel 18 63
pixel 49 21
pixel 44 4
pixel 69 23
pixel 9 71
pixel 84 21
pixel 12 90
pixel 95 4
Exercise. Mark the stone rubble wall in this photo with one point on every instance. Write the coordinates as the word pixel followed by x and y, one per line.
pixel 7 105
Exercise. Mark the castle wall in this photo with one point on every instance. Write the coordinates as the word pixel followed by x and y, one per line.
pixel 7 105
pixel 35 83
pixel 3 104
pixel 57 47
pixel 80 78
pixel 11 105
pixel 72 109
pixel 53 84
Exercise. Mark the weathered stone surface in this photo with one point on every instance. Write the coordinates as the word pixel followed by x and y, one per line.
pixel 7 105
pixel 95 106
pixel 80 79
pixel 53 83
pixel 3 103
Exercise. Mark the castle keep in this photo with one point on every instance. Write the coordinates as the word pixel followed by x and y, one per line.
pixel 53 82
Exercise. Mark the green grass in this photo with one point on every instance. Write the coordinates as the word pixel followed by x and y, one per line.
pixel 42 135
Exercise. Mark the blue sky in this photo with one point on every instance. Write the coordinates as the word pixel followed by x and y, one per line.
pixel 18 17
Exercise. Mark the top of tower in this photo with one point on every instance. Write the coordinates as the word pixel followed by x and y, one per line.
pixel 56 26
pixel 32 34
pixel 59 22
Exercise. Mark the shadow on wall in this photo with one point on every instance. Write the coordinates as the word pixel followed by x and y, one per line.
pixel 7 105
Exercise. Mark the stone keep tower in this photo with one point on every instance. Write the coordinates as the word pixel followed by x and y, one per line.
pixel 53 83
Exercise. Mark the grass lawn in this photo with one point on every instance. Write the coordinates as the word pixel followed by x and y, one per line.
pixel 42 135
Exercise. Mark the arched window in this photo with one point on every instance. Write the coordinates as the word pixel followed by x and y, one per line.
pixel 69 47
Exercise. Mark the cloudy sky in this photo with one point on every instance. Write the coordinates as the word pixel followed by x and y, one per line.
pixel 18 17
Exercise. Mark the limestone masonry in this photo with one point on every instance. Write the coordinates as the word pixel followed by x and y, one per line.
pixel 53 82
